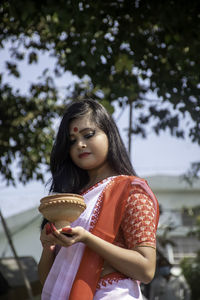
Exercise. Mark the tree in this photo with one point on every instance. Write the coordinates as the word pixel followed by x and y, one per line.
pixel 121 50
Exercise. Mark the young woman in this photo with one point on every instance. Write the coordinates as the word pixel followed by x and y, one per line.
pixel 110 248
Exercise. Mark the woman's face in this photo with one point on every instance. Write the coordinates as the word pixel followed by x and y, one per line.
pixel 89 144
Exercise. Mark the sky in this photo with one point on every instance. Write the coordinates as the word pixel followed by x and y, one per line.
pixel 155 155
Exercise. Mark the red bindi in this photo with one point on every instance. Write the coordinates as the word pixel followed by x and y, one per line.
pixel 75 129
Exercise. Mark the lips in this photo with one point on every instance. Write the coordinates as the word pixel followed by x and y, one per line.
pixel 84 154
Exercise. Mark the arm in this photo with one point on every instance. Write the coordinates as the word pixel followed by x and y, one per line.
pixel 47 257
pixel 138 263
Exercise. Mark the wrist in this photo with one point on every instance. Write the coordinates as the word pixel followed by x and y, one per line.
pixel 48 249
pixel 87 237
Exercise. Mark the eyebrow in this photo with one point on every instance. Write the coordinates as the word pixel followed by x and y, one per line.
pixel 82 130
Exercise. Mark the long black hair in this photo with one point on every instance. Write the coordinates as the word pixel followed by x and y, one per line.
pixel 66 176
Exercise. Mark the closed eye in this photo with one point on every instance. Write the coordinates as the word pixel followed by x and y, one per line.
pixel 86 136
pixel 89 135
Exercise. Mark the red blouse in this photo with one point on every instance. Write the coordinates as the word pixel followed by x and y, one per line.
pixel 139 221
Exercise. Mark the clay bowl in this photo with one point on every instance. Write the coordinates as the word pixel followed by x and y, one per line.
pixel 62 209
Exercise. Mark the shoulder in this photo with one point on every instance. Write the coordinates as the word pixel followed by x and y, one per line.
pixel 130 184
pixel 131 181
pixel 139 190
pixel 123 178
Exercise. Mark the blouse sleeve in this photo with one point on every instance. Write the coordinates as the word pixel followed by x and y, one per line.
pixel 139 221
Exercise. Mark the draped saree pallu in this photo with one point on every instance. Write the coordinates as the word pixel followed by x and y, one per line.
pixel 105 213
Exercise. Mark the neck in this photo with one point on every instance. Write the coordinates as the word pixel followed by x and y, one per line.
pixel 99 174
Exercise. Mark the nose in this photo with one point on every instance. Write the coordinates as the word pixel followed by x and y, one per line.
pixel 82 144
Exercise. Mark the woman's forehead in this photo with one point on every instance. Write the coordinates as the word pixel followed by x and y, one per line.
pixel 81 123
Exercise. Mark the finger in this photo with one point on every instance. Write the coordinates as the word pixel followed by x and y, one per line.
pixel 57 236
pixel 54 231
pixel 48 228
pixel 67 231
pixel 63 239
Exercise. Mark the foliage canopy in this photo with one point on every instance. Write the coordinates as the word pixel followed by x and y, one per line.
pixel 121 50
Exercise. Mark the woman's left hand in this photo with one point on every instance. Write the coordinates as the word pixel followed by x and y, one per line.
pixel 68 236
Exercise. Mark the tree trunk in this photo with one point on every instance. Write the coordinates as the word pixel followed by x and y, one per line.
pixel 26 281
pixel 130 127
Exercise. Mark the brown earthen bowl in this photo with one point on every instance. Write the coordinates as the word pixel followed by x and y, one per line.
pixel 62 209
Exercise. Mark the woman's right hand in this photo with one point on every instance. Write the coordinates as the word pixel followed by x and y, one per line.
pixel 46 238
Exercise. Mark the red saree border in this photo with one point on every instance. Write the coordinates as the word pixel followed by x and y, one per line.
pixel 110 278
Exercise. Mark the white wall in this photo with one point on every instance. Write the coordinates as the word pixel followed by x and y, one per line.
pixel 173 192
